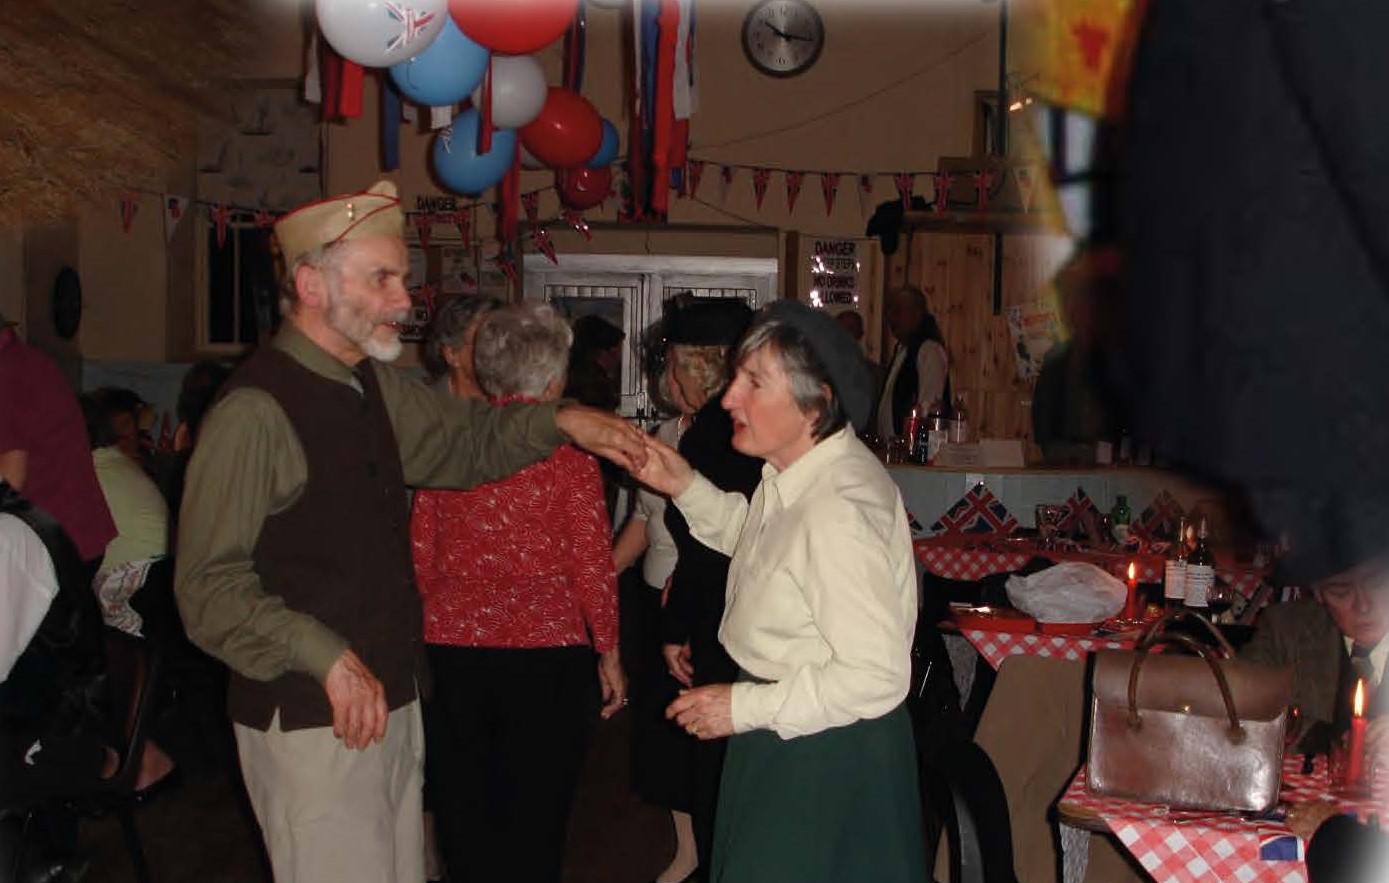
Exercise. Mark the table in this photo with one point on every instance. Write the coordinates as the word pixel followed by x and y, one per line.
pixel 998 646
pixel 1184 846
pixel 953 556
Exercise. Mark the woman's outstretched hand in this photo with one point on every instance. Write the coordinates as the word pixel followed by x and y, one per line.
pixel 664 470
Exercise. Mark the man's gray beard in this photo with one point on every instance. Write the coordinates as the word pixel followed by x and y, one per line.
pixel 343 318
pixel 382 351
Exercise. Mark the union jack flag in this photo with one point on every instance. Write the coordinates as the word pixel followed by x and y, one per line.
pixel 1074 509
pixel 1162 517
pixel 978 511
pixel 412 21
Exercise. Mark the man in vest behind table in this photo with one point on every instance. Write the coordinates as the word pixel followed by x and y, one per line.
pixel 294 552
pixel 920 368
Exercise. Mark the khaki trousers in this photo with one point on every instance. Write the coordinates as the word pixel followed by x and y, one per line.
pixel 331 815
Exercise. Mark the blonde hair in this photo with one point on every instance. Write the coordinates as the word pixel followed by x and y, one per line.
pixel 707 364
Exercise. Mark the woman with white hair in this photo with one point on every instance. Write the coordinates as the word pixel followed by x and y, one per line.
pixel 519 593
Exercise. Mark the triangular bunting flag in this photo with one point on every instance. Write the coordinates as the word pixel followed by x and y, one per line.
pixel 982 180
pixel 978 511
pixel 906 182
pixel 760 179
pixel 865 195
pixel 531 203
pixel 1027 184
pixel 793 189
pixel 463 220
pixel 221 216
pixel 829 185
pixel 174 208
pixel 1073 511
pixel 541 237
pixel 942 197
pixel 426 293
pixel 130 204
pixel 726 175
pixel 424 223
pixel 694 170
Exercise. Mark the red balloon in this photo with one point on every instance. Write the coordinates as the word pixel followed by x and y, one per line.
pixel 514 27
pixel 568 131
pixel 584 188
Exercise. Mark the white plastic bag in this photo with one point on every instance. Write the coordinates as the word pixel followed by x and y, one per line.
pixel 1073 591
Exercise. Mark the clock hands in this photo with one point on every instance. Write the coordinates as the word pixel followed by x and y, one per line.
pixel 784 35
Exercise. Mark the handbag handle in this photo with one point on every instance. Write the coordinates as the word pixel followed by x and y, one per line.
pixel 1237 734
pixel 1155 633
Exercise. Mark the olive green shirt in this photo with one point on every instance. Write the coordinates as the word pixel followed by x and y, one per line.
pixel 248 465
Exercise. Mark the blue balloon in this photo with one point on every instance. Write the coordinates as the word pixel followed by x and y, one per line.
pixel 607 151
pixel 446 72
pixel 458 164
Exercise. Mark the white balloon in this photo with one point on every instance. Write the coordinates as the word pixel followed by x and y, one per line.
pixel 380 33
pixel 528 160
pixel 519 90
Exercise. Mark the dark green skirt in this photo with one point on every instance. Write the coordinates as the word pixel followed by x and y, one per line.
pixel 840 806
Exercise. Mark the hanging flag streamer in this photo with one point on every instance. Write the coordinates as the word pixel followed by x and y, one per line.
pixel 865 195
pixel 726 175
pixel 760 179
pixel 221 216
pixel 982 180
pixel 694 170
pixel 130 204
pixel 906 182
pixel 424 224
pixel 829 185
pixel 541 237
pixel 174 208
pixel 1027 185
pixel 942 180
pixel 793 189
pixel 531 203
pixel 576 220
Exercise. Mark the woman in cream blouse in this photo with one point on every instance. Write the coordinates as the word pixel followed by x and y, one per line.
pixel 820 782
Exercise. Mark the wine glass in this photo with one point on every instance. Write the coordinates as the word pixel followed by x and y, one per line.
pixel 1220 598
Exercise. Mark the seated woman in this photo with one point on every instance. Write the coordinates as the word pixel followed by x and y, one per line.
pixel 519 591
pixel 133 602
pixel 820 780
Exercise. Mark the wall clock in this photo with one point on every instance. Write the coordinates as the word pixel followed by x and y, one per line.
pixel 67 303
pixel 783 38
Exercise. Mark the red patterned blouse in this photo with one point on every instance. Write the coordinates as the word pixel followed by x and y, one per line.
pixel 522 562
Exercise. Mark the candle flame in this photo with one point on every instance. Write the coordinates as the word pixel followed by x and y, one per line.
pixel 1133 570
pixel 1360 698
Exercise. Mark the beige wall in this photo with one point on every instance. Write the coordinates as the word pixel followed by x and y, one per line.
pixel 924 62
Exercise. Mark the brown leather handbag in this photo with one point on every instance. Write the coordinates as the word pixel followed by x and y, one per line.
pixel 1197 732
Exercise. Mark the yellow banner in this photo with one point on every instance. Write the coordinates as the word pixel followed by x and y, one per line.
pixel 1077 53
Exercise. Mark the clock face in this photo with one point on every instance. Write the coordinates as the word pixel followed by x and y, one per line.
pixel 783 37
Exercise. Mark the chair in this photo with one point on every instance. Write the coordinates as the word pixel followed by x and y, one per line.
pixel 961 793
pixel 92 794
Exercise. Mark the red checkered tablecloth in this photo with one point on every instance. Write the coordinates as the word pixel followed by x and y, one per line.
pixel 1184 846
pixel 965 558
pixel 998 646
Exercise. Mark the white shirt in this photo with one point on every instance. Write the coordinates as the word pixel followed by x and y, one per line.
pixel 661 555
pixel 932 365
pixel 821 589
pixel 28 585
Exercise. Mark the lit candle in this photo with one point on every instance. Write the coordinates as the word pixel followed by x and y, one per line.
pixel 1132 608
pixel 1355 755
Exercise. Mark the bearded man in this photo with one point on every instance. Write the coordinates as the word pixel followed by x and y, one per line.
pixel 294 561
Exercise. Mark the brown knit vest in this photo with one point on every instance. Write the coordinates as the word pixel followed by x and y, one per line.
pixel 341 552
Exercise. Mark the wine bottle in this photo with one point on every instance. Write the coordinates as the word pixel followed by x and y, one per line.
pixel 1174 571
pixel 1200 570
